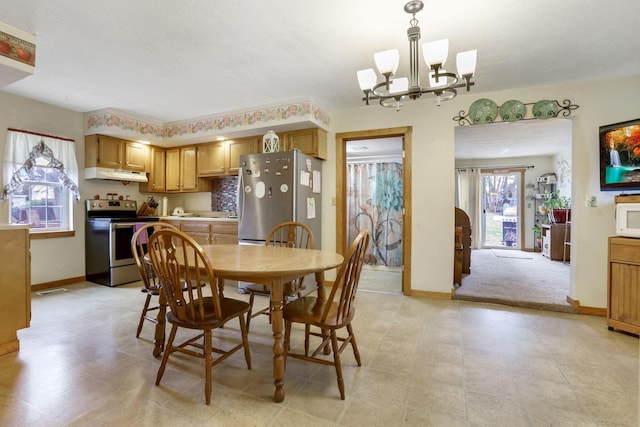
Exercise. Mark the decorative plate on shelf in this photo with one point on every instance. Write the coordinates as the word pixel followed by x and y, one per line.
pixel 483 111
pixel 512 111
pixel 545 109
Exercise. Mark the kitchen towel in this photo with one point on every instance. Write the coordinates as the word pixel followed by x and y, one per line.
pixel 143 236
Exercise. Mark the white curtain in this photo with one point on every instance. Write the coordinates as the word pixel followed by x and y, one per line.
pixel 469 200
pixel 24 150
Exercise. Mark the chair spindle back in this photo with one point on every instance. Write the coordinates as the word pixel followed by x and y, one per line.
pixel 183 269
pixel 348 277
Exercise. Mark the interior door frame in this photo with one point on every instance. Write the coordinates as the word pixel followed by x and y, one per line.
pixel 341 191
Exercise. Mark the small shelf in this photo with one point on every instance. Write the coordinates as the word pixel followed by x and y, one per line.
pixel 539 218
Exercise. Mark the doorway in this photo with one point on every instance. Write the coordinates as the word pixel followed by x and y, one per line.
pixel 391 239
pixel 537 147
pixel 501 224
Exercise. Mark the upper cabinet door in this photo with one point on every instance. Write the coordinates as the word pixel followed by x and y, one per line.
pixel 239 147
pixel 188 172
pixel 211 159
pixel 136 156
pixel 172 175
pixel 157 170
pixel 110 152
pixel 312 142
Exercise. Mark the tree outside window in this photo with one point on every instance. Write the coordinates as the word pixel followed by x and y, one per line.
pixel 41 200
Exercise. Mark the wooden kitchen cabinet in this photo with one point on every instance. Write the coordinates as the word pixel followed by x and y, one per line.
pixel 312 142
pixel 211 159
pixel 207 232
pixel 180 172
pixel 553 241
pixel 157 166
pixel 239 147
pixel 115 153
pixel 222 158
pixel 15 285
pixel 200 231
pixel 224 232
pixel 623 300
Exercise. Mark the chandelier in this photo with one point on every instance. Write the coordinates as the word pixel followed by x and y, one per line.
pixel 392 92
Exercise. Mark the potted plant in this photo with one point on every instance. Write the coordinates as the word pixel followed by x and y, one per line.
pixel 559 207
pixel 537 231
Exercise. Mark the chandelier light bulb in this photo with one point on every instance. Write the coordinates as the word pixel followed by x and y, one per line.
pixel 367 79
pixel 387 61
pixel 435 53
pixel 399 85
pixel 466 63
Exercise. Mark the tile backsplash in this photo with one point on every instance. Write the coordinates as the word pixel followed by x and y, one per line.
pixel 223 194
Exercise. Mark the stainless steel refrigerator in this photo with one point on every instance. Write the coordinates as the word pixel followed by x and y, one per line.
pixel 274 188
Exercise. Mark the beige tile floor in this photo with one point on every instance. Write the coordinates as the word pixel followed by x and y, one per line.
pixel 425 362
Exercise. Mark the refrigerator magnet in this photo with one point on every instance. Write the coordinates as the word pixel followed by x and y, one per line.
pixel 260 189
pixel 284 188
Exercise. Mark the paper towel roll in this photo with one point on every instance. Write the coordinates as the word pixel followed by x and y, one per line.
pixel 165 204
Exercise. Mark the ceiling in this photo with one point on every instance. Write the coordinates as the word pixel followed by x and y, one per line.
pixel 175 60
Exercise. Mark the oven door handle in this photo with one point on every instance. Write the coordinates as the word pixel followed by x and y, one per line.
pixel 118 225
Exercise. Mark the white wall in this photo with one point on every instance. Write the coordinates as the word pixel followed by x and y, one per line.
pixel 600 102
pixel 58 258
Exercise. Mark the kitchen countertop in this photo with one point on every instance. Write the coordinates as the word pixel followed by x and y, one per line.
pixel 16 226
pixel 198 218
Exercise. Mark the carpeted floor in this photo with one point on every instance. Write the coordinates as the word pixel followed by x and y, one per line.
pixel 516 278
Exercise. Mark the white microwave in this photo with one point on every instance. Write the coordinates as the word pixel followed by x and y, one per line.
pixel 628 219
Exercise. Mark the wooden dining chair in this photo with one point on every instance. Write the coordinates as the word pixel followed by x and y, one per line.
pixel 150 284
pixel 290 234
pixel 182 267
pixel 331 314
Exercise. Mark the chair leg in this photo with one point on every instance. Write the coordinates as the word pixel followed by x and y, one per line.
pixel 352 338
pixel 251 297
pixel 244 329
pixel 307 332
pixel 144 313
pixel 167 351
pixel 336 362
pixel 287 341
pixel 207 366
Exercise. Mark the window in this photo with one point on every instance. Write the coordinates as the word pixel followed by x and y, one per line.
pixel 41 201
pixel 38 184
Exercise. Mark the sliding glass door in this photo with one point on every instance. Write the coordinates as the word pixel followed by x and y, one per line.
pixel 502 209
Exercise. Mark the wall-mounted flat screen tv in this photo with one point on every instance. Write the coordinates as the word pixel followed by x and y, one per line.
pixel 620 156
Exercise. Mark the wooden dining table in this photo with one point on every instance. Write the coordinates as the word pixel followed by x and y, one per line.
pixel 272 266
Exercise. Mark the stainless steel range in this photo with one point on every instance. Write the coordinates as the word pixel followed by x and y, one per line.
pixel 109 227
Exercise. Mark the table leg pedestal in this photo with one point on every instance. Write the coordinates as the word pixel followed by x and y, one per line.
pixel 277 325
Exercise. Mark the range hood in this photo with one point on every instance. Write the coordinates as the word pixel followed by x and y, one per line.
pixel 115 174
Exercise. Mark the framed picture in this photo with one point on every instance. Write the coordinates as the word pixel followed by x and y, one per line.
pixel 620 156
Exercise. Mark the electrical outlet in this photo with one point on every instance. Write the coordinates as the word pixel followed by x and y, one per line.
pixel 592 202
